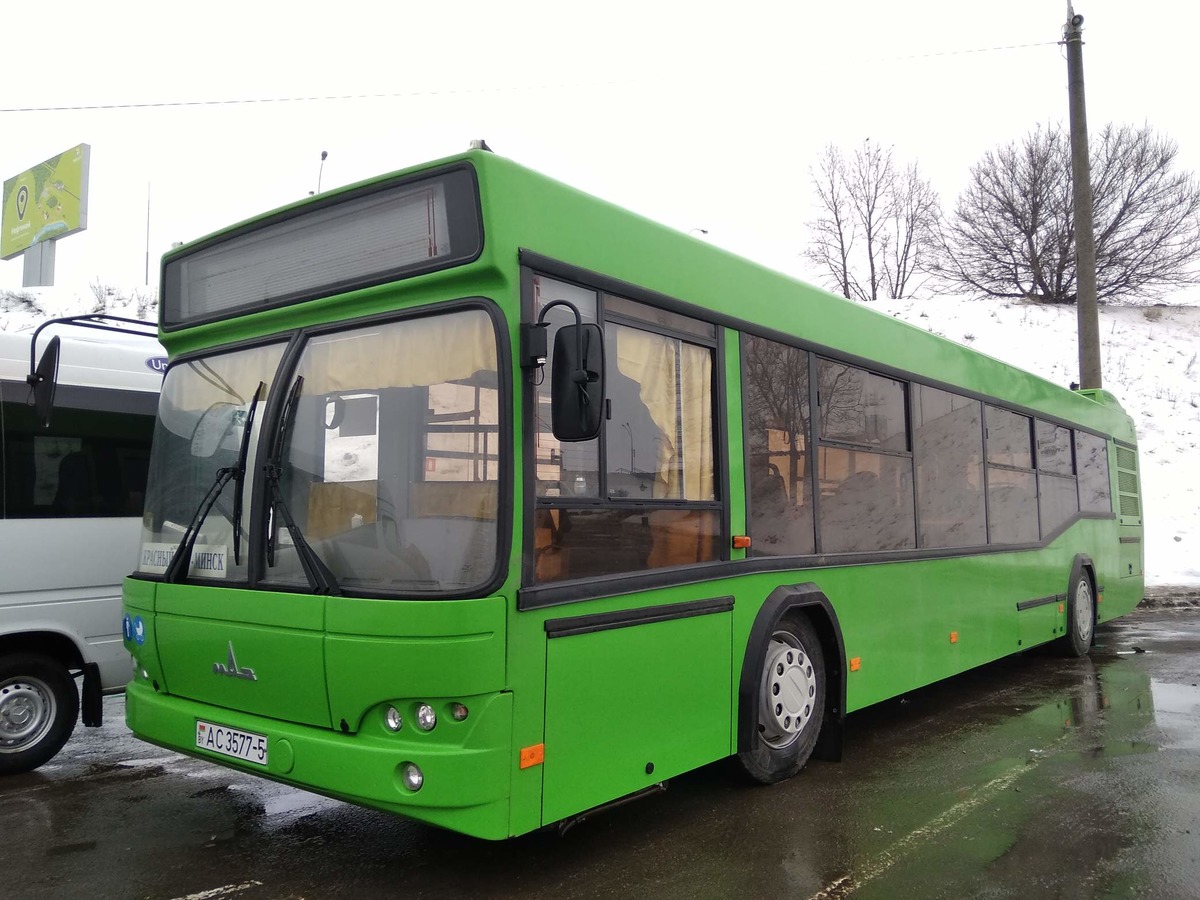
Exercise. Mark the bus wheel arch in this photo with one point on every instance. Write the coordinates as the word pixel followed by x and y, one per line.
pixel 1082 610
pixel 795 646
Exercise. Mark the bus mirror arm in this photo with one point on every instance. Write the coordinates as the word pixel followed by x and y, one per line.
pixel 43 375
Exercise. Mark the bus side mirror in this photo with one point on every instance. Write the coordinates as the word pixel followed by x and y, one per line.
pixel 43 380
pixel 577 383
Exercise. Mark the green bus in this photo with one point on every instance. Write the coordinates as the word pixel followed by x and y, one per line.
pixel 477 499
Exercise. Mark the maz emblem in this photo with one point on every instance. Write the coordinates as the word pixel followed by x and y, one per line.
pixel 233 670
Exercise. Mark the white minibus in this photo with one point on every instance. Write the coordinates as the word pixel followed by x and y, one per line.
pixel 72 479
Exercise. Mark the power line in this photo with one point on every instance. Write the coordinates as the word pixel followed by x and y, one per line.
pixel 233 101
pixel 972 50
pixel 324 98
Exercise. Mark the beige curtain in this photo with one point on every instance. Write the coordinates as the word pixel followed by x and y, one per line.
pixel 685 453
pixel 403 354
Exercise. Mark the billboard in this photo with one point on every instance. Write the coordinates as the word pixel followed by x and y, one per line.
pixel 46 202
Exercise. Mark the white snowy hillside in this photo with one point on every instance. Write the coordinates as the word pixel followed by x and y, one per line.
pixel 25 309
pixel 1151 361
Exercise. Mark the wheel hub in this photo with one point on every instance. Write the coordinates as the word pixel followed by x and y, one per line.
pixel 788 695
pixel 26 713
pixel 1083 611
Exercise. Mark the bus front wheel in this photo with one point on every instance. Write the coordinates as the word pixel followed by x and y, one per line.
pixel 38 708
pixel 1081 617
pixel 790 706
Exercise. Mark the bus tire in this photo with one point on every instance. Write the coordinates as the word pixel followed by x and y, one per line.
pixel 1081 616
pixel 790 704
pixel 38 708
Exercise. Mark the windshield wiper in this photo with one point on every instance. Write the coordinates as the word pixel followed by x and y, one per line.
pixel 239 477
pixel 320 578
pixel 181 560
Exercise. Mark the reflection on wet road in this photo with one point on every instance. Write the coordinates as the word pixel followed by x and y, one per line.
pixel 1034 777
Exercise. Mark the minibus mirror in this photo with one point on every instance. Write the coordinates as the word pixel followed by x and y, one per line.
pixel 216 423
pixel 43 381
pixel 577 382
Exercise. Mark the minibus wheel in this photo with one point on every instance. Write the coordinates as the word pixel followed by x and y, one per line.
pixel 38 708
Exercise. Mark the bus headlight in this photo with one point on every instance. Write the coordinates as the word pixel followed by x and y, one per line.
pixel 426 718
pixel 392 719
pixel 412 776
pixel 458 712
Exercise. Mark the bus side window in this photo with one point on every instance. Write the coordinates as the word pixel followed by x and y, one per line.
pixel 654 503
pixel 779 505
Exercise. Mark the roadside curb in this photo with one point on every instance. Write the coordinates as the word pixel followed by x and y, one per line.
pixel 1171 597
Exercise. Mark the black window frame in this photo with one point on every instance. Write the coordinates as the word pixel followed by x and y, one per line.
pixel 914 388
pixel 660 310
pixel 813 451
pixel 821 443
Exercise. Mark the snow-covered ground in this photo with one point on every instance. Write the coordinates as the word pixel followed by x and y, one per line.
pixel 1150 362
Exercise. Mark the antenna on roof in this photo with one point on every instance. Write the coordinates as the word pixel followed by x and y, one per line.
pixel 480 144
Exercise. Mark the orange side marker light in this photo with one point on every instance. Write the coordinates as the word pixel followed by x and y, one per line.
pixel 741 542
pixel 855 663
pixel 954 637
pixel 533 756
pixel 1062 607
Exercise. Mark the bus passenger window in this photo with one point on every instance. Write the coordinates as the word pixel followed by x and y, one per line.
pixel 866 501
pixel 865 467
pixel 779 503
pixel 948 447
pixel 1012 484
pixel 652 504
pixel 1091 455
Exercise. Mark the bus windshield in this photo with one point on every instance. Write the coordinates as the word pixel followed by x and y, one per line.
pixel 381 472
pixel 203 409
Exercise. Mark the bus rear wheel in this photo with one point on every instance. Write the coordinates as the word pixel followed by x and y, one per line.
pixel 790 705
pixel 1081 617
pixel 38 708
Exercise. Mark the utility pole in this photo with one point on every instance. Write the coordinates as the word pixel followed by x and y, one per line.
pixel 1081 179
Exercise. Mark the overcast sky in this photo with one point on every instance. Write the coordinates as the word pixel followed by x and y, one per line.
pixel 699 116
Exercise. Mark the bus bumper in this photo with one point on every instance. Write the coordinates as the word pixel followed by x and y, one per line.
pixel 466 765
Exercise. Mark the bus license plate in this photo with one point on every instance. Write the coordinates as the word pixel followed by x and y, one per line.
pixel 243 745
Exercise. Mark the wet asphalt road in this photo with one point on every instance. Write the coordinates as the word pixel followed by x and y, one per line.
pixel 1036 777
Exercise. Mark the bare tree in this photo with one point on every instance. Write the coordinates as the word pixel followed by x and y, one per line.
pixel 914 217
pixel 833 233
pixel 876 222
pixel 1011 233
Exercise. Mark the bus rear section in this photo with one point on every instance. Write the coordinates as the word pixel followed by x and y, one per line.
pixel 73 489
